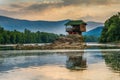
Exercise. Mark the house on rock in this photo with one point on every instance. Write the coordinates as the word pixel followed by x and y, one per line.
pixel 75 27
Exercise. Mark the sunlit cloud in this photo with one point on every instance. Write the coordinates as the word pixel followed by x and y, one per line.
pixel 98 10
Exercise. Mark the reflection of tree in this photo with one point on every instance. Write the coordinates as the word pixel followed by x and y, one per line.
pixel 1 59
pixel 112 59
pixel 76 62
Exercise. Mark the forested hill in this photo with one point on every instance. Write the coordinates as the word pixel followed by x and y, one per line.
pixel 111 31
pixel 16 37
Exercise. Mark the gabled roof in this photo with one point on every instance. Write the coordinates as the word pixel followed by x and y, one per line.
pixel 75 22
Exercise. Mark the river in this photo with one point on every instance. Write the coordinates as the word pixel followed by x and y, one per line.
pixel 93 63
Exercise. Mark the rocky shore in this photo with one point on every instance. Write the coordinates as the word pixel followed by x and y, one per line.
pixel 68 42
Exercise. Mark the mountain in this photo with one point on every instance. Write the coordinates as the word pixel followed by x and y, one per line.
pixel 92 25
pixel 94 32
pixel 43 26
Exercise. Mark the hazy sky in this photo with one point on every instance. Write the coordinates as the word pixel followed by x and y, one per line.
pixel 88 10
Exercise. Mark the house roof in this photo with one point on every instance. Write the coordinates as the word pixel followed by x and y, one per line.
pixel 75 22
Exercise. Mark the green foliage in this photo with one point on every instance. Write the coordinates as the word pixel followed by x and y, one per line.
pixel 16 37
pixel 111 31
pixel 112 60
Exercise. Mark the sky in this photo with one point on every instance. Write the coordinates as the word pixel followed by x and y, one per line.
pixel 54 10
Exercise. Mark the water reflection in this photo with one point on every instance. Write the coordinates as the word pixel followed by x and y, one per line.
pixel 73 61
pixel 76 62
pixel 112 60
pixel 66 65
pixel 25 60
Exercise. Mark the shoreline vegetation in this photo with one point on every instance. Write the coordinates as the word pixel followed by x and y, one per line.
pixel 56 41
pixel 66 42
pixel 16 37
pixel 74 41
pixel 111 30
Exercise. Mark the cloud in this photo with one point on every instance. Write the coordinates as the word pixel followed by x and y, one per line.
pixel 16 6
pixel 39 7
pixel 60 9
pixel 84 2
pixel 48 4
pixel 90 2
pixel 7 13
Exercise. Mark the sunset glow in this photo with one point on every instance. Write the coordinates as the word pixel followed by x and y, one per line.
pixel 89 10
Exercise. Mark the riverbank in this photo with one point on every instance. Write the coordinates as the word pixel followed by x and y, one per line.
pixel 42 46
pixel 67 42
pixel 49 46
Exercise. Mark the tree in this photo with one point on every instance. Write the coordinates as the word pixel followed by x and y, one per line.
pixel 15 37
pixel 111 31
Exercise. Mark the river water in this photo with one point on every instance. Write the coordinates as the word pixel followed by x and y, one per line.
pixel 90 64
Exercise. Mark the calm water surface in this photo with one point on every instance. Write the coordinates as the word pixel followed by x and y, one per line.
pixel 97 64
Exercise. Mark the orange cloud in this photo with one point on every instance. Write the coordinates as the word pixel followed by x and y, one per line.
pixel 98 10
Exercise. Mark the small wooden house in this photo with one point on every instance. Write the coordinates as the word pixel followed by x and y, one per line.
pixel 75 27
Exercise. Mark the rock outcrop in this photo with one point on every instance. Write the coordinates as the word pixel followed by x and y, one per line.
pixel 74 41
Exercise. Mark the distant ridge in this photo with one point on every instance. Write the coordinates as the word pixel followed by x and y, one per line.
pixel 92 25
pixel 43 26
pixel 94 32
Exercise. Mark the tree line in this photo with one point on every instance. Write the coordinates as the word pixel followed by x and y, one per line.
pixel 16 37
pixel 111 31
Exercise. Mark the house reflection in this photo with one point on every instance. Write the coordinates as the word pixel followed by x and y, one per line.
pixel 76 62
